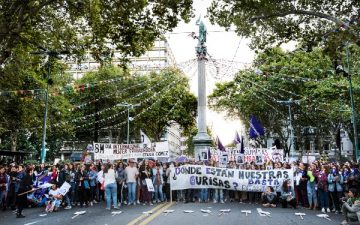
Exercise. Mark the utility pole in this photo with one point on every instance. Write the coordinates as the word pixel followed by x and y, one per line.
pixel 50 54
pixel 289 103
pixel 202 140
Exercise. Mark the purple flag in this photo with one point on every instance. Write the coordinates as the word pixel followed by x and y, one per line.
pixel 237 139
pixel 220 146
pixel 209 154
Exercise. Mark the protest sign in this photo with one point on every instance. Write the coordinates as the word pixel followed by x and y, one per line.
pixel 258 155
pixel 196 176
pixel 149 185
pixel 64 188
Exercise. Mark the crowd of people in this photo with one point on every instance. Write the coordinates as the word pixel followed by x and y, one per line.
pixel 328 187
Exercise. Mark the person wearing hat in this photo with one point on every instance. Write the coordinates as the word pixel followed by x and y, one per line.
pixel 131 175
pixel 351 208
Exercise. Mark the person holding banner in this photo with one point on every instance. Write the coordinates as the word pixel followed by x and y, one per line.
pixel 25 186
pixel 55 199
pixel 110 186
pixel 145 173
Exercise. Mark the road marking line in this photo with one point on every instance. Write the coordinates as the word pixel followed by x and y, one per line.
pixel 134 221
pixel 156 214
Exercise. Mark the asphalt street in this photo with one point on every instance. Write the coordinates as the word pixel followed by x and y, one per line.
pixel 174 214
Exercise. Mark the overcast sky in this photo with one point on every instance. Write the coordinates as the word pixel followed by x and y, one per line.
pixel 220 45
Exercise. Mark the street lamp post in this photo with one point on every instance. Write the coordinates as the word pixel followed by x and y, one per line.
pixel 354 116
pixel 289 103
pixel 50 54
pixel 129 106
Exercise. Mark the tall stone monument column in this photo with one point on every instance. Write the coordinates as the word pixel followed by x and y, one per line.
pixel 202 140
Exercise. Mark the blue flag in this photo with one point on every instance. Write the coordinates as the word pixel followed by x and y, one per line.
pixel 255 128
pixel 220 146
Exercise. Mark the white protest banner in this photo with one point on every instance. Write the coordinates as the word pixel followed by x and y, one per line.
pixel 197 176
pixel 149 185
pixel 161 149
pixel 64 188
pixel 122 151
pixel 106 151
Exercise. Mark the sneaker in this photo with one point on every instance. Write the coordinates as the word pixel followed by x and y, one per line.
pixel 125 202
pixel 135 203
pixel 95 202
pixel 222 202
pixel 328 210
pixel 344 222
pixel 144 203
pixel 150 203
pixel 336 212
pixel 138 202
pixel 323 210
pixel 68 207
pixel 215 201
pixel 91 203
pixel 119 204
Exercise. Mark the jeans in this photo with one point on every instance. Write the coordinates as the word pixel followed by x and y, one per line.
pixel 111 192
pixel 158 192
pixel 324 198
pixel 131 192
pixel 204 194
pixel 73 192
pixel 3 199
pixel 311 193
pixel 219 195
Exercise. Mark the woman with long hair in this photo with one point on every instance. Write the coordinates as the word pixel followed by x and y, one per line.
pixel 287 195
pixel 145 173
pixel 335 180
pixel 323 189
pixel 110 186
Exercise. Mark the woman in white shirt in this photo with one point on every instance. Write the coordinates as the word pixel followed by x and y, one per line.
pixel 110 186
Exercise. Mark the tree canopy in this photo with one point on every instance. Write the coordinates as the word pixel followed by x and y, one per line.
pixel 269 23
pixel 308 78
pixel 79 25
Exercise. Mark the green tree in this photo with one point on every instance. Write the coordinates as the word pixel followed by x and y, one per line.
pixel 308 77
pixel 161 98
pixel 80 25
pixel 269 23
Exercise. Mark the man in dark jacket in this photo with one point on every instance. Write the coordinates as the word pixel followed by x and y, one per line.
pixel 25 185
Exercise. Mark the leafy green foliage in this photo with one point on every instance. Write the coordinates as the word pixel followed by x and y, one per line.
pixel 80 25
pixel 307 77
pixel 269 23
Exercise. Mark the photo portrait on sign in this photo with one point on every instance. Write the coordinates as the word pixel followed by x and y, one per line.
pixel 240 159
pixel 202 155
pixel 259 159
pixel 223 160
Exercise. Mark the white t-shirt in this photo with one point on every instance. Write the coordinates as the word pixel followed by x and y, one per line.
pixel 54 192
pixel 109 177
pixel 131 173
